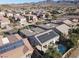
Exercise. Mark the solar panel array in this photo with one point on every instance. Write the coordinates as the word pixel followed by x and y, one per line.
pixel 9 47
pixel 47 36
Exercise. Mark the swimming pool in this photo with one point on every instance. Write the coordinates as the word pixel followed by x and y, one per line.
pixel 61 48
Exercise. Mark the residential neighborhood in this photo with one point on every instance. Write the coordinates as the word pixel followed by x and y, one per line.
pixel 42 29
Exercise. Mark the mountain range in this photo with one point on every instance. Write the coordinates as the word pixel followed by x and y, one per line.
pixel 43 3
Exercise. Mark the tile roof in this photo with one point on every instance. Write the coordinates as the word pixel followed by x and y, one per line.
pixel 68 22
pixel 17 48
pixel 32 31
pixel 63 28
pixel 48 26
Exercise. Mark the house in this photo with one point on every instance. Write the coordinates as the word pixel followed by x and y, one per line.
pixel 12 31
pixel 9 14
pixel 14 46
pixel 71 16
pixel 23 20
pixel 4 22
pixel 31 18
pixel 47 15
pixel 63 29
pixel 40 13
pixel 68 22
pixel 75 20
pixel 32 30
pixel 2 13
pixel 47 26
pixel 42 39
pixel 16 16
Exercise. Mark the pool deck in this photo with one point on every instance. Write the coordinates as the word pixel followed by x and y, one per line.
pixel 75 53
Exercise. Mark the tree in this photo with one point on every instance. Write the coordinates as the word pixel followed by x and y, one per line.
pixel 54 17
pixel 52 53
pixel 70 10
pixel 47 15
pixel 74 36
pixel 55 12
pixel 74 39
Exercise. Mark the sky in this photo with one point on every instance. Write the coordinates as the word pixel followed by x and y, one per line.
pixel 17 1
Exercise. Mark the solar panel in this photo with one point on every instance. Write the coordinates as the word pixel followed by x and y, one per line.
pixel 47 36
pixel 8 47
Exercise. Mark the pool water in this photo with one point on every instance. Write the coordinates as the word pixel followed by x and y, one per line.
pixel 61 49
